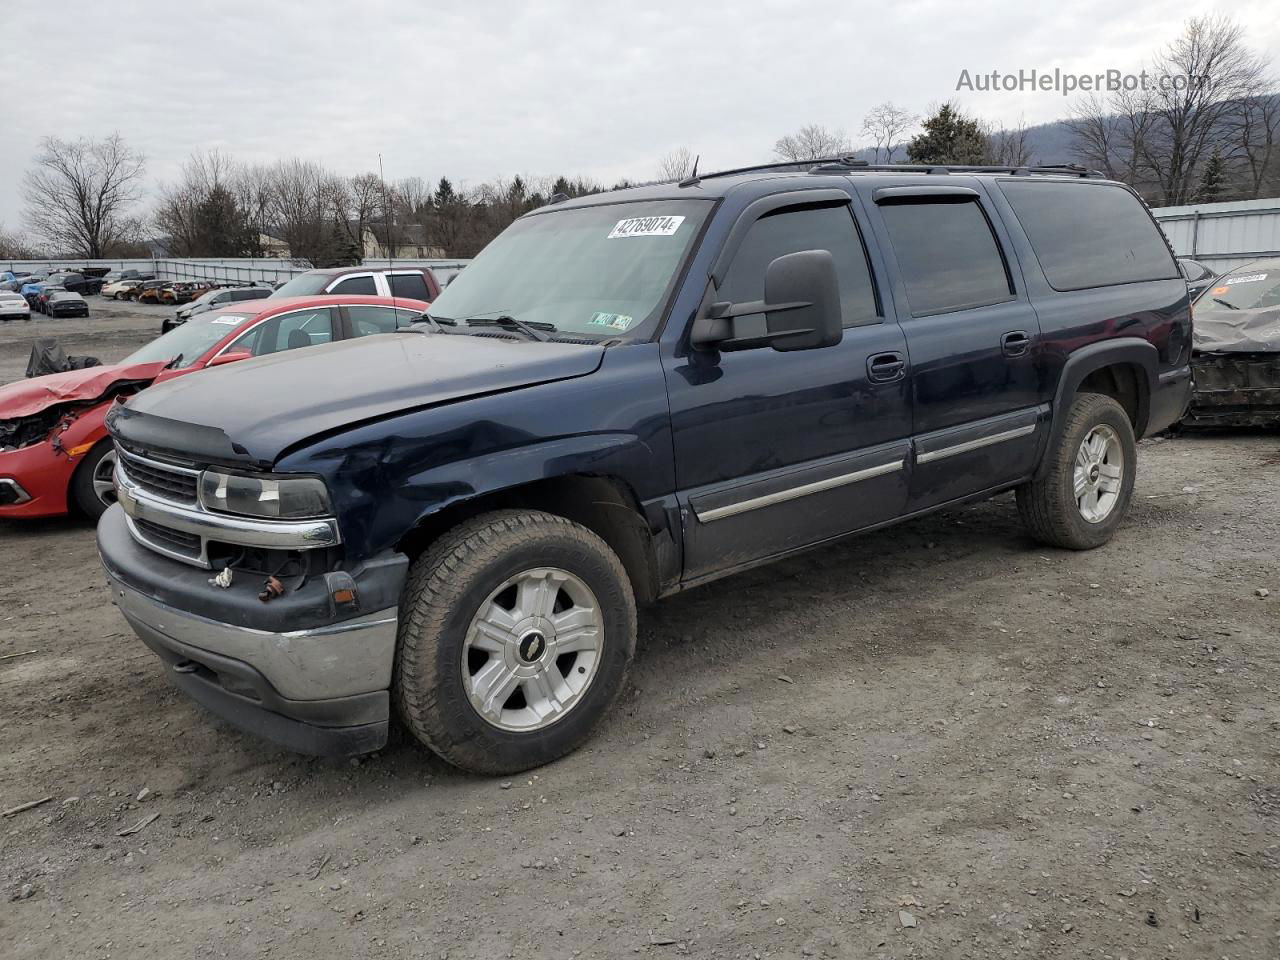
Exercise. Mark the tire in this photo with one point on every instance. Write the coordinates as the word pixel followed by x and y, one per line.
pixel 1052 508
pixel 443 661
pixel 88 493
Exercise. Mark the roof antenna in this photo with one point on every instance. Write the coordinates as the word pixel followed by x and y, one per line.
pixel 386 217
pixel 692 179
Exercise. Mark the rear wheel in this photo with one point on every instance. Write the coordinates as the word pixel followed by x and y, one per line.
pixel 516 632
pixel 93 487
pixel 1087 482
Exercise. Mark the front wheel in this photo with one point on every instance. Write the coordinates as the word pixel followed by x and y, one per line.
pixel 1084 489
pixel 516 631
pixel 93 486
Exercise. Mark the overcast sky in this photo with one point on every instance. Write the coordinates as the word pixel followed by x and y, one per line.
pixel 492 87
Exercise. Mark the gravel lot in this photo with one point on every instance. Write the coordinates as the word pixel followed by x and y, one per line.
pixel 936 741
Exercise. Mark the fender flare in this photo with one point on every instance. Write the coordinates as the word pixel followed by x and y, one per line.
pixel 1128 351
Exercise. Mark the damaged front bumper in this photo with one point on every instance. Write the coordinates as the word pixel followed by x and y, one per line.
pixel 1235 390
pixel 289 671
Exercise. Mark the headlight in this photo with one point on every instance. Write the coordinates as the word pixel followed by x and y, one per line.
pixel 273 497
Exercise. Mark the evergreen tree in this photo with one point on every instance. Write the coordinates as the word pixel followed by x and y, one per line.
pixel 949 137
pixel 1213 179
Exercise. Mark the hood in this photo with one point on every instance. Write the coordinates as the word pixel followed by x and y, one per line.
pixel 253 410
pixel 1238 331
pixel 22 398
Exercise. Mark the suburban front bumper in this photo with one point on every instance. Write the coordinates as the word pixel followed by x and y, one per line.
pixel 285 670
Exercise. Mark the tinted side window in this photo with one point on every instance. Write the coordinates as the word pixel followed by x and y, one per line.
pixel 1089 234
pixel 947 255
pixel 409 285
pixel 360 285
pixel 790 231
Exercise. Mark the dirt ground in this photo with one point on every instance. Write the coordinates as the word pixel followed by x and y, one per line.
pixel 937 741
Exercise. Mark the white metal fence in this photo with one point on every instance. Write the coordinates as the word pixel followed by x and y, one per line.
pixel 226 269
pixel 1223 235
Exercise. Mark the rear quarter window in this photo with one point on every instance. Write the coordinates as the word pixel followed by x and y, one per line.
pixel 1089 234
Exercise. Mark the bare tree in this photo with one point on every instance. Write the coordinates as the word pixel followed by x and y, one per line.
pixel 1220 71
pixel 1108 135
pixel 410 199
pixel 812 142
pixel 302 205
pixel 14 246
pixel 199 214
pixel 676 165
pixel 252 186
pixel 80 192
pixel 885 125
pixel 1008 146
pixel 1256 126
pixel 358 205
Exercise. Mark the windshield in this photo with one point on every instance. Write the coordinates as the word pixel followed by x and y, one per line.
pixel 1252 287
pixel 601 271
pixel 190 341
pixel 304 285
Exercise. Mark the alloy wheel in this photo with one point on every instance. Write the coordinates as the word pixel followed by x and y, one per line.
pixel 1098 474
pixel 532 649
pixel 104 484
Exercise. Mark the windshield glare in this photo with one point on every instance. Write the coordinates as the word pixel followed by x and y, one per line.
pixel 601 271
pixel 1249 288
pixel 304 285
pixel 190 340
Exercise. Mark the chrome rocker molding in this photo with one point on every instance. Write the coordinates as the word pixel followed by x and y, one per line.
pixel 782 496
pixel 978 444
pixel 138 504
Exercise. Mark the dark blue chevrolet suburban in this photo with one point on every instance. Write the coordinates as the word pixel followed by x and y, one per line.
pixel 626 395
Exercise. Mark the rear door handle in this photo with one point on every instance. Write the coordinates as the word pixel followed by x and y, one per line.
pixel 1015 343
pixel 886 367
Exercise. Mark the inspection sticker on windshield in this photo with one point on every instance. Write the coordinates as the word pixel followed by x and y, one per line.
pixel 646 227
pixel 614 321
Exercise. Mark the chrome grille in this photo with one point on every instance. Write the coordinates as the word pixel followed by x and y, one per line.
pixel 173 541
pixel 163 479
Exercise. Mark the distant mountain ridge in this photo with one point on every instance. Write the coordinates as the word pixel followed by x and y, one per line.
pixel 1049 143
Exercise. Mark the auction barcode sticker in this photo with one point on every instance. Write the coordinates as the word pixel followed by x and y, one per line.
pixel 646 227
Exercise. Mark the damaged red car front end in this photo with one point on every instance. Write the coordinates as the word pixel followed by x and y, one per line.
pixel 49 428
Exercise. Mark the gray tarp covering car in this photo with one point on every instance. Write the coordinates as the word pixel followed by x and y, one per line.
pixel 1237 349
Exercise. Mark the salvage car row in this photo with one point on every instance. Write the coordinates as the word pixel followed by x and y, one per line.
pixel 54 451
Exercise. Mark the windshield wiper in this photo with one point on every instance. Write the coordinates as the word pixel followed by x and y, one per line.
pixel 534 331
pixel 1230 306
pixel 435 323
pixel 173 363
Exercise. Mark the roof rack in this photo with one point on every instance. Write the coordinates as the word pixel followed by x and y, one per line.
pixel 846 164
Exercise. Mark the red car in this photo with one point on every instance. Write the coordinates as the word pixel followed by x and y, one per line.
pixel 55 455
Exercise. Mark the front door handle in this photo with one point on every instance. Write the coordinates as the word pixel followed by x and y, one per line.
pixel 1015 343
pixel 886 367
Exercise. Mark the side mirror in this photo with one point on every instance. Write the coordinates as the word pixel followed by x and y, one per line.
pixel 803 294
pixel 801 307
pixel 222 358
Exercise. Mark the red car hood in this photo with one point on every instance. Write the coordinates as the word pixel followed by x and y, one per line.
pixel 25 397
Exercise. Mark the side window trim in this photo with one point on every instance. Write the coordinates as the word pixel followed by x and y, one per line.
pixel 333 325
pixel 757 209
pixel 794 201
pixel 375 277
pixel 241 335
